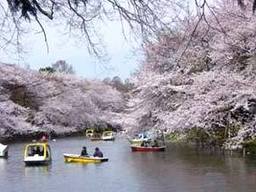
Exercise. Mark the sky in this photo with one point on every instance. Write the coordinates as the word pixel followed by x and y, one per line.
pixel 122 57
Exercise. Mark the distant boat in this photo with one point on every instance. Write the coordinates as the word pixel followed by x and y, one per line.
pixel 89 133
pixel 74 158
pixel 108 136
pixel 139 139
pixel 147 149
pixel 3 150
pixel 37 154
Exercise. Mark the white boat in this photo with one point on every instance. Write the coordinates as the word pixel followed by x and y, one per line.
pixel 37 154
pixel 139 139
pixel 3 150
pixel 108 136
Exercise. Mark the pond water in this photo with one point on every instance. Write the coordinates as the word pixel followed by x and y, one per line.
pixel 178 169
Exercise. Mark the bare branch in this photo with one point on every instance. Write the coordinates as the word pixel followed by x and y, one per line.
pixel 44 33
pixel 49 15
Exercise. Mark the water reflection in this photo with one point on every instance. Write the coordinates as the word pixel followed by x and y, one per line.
pixel 3 163
pixel 186 169
pixel 35 170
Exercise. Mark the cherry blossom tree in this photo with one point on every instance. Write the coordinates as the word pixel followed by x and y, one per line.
pixel 59 104
pixel 202 77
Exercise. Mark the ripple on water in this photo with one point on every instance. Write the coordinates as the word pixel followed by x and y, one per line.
pixel 178 169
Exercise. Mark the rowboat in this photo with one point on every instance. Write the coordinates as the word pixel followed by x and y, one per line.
pixel 37 154
pixel 108 136
pixel 3 150
pixel 74 158
pixel 147 149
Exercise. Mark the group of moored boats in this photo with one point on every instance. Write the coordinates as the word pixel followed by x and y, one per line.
pixel 105 136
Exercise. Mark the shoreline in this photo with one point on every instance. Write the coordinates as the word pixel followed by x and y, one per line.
pixel 17 138
pixel 37 135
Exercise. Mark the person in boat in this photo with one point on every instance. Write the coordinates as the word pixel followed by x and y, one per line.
pixel 144 144
pixel 44 138
pixel 37 151
pixel 41 153
pixel 97 153
pixel 84 151
pixel 155 143
pixel 32 151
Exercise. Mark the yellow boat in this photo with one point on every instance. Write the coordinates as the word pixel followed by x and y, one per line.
pixel 37 154
pixel 74 158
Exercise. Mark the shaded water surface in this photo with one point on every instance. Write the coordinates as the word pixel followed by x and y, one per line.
pixel 178 169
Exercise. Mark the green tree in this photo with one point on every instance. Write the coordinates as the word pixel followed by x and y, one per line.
pixel 62 66
pixel 47 70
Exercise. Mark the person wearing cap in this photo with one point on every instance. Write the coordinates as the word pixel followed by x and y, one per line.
pixel 97 153
pixel 84 152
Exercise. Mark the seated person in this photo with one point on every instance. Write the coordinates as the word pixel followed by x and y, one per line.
pixel 97 153
pixel 31 151
pixel 41 153
pixel 144 144
pixel 38 151
pixel 155 143
pixel 84 152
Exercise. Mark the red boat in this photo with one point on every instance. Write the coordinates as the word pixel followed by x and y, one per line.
pixel 147 149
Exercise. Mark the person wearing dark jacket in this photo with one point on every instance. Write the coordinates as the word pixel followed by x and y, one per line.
pixel 97 153
pixel 84 152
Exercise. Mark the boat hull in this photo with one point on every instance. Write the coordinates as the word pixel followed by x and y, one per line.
pixel 147 149
pixel 4 154
pixel 108 139
pixel 37 163
pixel 3 151
pixel 72 158
pixel 95 139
